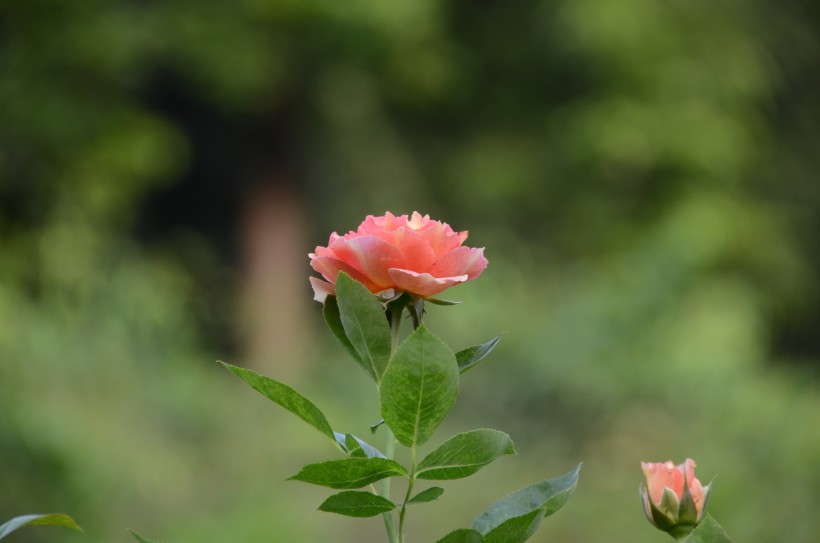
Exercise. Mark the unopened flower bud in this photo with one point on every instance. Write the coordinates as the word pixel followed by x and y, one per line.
pixel 673 499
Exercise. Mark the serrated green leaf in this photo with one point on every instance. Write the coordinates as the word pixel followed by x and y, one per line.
pixel 464 454
pixel 516 529
pixel 353 503
pixel 428 495
pixel 333 318
pixel 285 396
pixel 548 496
pixel 419 387
pixel 365 325
pixel 49 519
pixel 471 356
pixel 464 535
pixel 141 539
pixel 708 531
pixel 350 472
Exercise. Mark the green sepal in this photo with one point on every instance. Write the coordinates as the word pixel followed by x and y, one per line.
pixel 464 454
pixel 354 503
pixel 349 473
pixel 333 318
pixel 438 301
pixel 471 356
pixel 687 510
pixel 547 496
pixel 419 387
pixel 141 539
pixel 365 325
pixel 655 515
pixel 48 519
pixel 285 396
pixel 464 535
pixel 669 504
pixel 427 495
pixel 708 531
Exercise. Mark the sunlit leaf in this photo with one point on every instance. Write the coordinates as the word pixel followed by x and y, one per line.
pixel 354 503
pixel 464 454
pixel 284 396
pixel 419 387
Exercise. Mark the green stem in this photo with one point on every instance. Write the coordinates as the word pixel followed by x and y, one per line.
pixel 389 452
pixel 408 493
pixel 394 315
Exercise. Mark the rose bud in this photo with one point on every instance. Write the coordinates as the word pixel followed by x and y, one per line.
pixel 390 255
pixel 673 499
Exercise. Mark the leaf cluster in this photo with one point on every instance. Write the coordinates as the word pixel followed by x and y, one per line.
pixel 418 382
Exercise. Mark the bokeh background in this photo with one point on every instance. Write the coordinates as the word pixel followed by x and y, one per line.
pixel 643 174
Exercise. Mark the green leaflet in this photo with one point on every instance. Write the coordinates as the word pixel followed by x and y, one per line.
pixel 517 529
pixel 419 387
pixel 365 325
pixel 464 535
pixel 546 496
pixel 353 503
pixel 428 495
pixel 355 446
pixel 141 539
pixel 708 531
pixel 350 473
pixel 464 454
pixel 284 396
pixel 50 519
pixel 471 356
pixel 333 318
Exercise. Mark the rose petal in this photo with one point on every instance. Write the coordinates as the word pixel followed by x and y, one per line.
pixel 371 256
pixel 460 261
pixel 322 289
pixel 662 475
pixel 330 268
pixel 695 488
pixel 417 253
pixel 422 284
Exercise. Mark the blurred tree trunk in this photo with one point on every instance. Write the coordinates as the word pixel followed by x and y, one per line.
pixel 274 290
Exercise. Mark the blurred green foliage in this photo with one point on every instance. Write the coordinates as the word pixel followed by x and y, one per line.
pixel 642 173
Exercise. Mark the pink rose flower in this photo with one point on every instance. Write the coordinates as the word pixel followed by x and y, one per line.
pixel 416 255
pixel 674 500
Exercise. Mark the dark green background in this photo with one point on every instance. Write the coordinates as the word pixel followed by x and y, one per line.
pixel 643 174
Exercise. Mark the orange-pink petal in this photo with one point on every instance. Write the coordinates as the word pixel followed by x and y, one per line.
pixel 322 289
pixel 423 284
pixel 460 261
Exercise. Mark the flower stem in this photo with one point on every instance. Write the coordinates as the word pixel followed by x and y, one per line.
pixel 408 493
pixel 389 452
pixel 394 315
